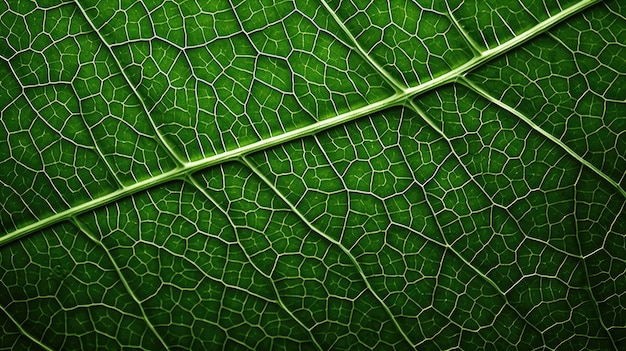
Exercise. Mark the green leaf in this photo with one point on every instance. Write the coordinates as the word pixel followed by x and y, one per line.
pixel 331 175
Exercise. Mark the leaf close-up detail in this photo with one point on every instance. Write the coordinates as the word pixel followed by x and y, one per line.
pixel 326 175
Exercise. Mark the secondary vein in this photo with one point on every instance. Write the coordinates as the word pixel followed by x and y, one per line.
pixel 396 99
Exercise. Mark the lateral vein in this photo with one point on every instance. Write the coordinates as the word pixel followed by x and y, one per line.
pixel 544 133
pixel 336 243
pixel 398 98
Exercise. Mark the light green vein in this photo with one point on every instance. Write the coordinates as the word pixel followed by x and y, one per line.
pixel 586 270
pixel 192 167
pixel 396 99
pixel 497 51
pixel 547 135
pixel 448 246
pixel 336 243
pixel 279 301
pixel 159 137
pixel 474 46
pixel 24 332
pixel 397 85
pixel 117 269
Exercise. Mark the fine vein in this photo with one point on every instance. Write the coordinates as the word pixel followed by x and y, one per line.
pixel 395 99
pixel 547 135
pixel 336 243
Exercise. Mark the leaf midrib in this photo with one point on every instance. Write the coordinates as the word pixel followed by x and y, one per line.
pixel 398 98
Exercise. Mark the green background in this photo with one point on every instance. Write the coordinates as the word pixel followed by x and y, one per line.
pixel 329 175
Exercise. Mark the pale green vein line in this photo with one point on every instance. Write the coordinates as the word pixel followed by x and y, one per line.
pixel 476 48
pixel 40 152
pixel 279 300
pixel 413 106
pixel 332 165
pixel 24 332
pixel 586 270
pixel 460 71
pixel 311 129
pixel 192 167
pixel 347 252
pixel 449 246
pixel 497 51
pixel 86 206
pixel 386 76
pixel 160 139
pixel 69 140
pixel 117 269
pixel 547 135
pixel 471 176
pixel 109 167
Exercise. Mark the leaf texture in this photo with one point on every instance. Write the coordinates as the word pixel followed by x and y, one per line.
pixel 328 175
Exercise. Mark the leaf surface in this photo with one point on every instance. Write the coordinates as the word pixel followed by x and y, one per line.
pixel 334 175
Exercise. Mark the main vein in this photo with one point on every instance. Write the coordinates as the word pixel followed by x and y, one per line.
pixel 396 99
